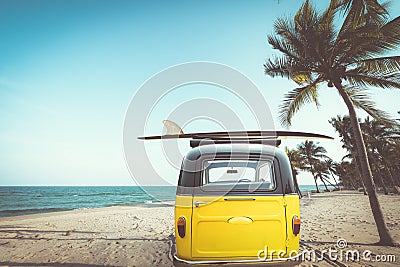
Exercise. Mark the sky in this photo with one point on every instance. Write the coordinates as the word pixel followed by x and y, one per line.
pixel 69 70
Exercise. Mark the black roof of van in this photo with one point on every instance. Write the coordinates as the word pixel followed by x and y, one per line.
pixel 190 177
pixel 196 152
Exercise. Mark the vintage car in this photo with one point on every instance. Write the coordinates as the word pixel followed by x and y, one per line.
pixel 236 200
pixel 233 201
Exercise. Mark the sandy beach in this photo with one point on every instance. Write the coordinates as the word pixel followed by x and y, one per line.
pixel 143 235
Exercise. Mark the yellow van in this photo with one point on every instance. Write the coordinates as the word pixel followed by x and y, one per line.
pixel 236 200
pixel 236 203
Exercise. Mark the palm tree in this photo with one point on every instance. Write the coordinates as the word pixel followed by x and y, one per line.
pixel 312 153
pixel 348 58
pixel 381 143
pixel 322 172
pixel 347 174
pixel 331 167
pixel 344 127
pixel 297 163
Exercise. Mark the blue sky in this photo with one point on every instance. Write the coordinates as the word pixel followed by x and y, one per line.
pixel 69 69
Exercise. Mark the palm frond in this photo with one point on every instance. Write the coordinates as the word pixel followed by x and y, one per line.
pixel 391 34
pixel 283 46
pixel 328 16
pixel 361 78
pixel 286 30
pixel 352 45
pixel 361 100
pixel 277 67
pixel 326 24
pixel 381 65
pixel 306 24
pixel 306 18
pixel 366 41
pixel 363 11
pixel 295 99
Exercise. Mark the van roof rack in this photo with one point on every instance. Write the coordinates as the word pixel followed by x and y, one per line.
pixel 201 142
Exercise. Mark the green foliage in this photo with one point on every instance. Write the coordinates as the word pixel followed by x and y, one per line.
pixel 315 51
pixel 311 157
pixel 383 147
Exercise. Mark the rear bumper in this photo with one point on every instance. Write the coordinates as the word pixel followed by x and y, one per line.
pixel 234 262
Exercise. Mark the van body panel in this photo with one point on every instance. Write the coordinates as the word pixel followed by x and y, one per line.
pixel 240 228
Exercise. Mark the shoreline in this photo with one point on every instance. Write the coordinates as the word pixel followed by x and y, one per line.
pixel 83 211
pixel 46 214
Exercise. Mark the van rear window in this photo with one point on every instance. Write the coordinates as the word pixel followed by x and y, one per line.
pixel 238 175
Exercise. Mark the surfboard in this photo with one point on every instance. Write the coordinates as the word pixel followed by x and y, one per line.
pixel 239 135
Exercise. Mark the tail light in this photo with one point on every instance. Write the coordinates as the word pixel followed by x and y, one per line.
pixel 296 225
pixel 181 227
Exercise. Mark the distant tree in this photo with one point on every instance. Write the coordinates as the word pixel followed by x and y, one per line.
pixel 297 163
pixel 312 153
pixel 383 146
pixel 346 172
pixel 331 167
pixel 321 172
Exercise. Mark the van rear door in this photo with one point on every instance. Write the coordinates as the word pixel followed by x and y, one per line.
pixel 237 212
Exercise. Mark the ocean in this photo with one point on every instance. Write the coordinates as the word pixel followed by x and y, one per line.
pixel 23 200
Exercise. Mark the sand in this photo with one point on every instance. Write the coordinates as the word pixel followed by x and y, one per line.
pixel 143 235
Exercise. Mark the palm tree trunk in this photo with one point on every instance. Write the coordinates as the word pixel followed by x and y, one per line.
pixel 316 184
pixel 358 170
pixel 334 186
pixel 334 178
pixel 384 235
pixel 326 188
pixel 313 174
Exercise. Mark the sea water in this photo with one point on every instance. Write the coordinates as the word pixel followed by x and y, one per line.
pixel 21 200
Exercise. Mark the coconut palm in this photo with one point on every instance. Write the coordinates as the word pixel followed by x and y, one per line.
pixel 322 172
pixel 357 173
pixel 344 127
pixel 347 174
pixel 349 59
pixel 331 167
pixel 382 145
pixel 312 153
pixel 297 163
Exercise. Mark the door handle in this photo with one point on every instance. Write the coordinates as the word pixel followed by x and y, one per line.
pixel 240 220
pixel 198 203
